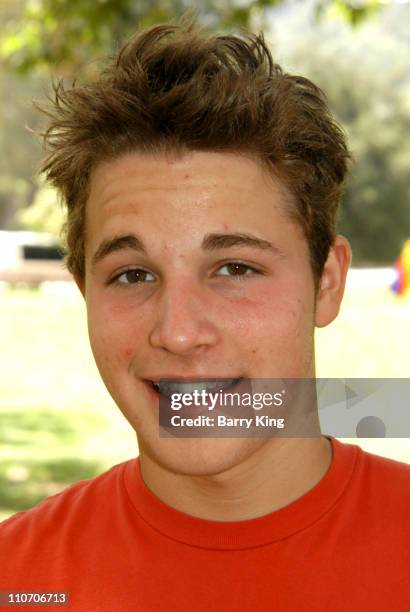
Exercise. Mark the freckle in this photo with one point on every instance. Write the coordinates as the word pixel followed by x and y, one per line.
pixel 253 351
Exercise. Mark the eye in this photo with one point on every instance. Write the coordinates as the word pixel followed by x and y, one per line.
pixel 237 269
pixel 133 276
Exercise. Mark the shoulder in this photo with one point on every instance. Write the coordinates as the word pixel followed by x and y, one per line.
pixel 75 504
pixel 382 485
pixel 42 545
pixel 389 472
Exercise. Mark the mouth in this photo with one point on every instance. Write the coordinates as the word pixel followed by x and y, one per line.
pixel 168 387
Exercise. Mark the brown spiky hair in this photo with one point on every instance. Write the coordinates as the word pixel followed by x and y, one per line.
pixel 174 88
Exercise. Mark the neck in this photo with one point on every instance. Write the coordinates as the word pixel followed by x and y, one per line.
pixel 275 475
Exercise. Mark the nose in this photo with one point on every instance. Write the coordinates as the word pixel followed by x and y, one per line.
pixel 183 324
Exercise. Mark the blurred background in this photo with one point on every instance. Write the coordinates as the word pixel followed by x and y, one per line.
pixel 57 422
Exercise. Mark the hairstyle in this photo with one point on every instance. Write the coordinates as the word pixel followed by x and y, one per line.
pixel 175 88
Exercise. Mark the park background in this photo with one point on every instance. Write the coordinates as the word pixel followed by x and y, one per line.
pixel 57 422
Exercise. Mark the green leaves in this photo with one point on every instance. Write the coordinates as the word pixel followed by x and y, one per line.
pixel 67 34
pixel 354 12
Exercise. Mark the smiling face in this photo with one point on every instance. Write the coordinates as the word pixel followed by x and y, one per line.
pixel 193 270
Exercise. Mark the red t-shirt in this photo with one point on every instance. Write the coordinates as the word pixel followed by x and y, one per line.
pixel 109 542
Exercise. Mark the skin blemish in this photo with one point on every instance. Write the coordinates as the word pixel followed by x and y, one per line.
pixel 128 353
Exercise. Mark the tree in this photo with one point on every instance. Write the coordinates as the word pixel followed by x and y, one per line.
pixel 19 147
pixel 44 214
pixel 67 33
pixel 366 76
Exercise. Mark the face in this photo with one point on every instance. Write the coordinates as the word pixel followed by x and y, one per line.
pixel 193 270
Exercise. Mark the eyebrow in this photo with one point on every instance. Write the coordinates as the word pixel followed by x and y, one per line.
pixel 118 243
pixel 211 242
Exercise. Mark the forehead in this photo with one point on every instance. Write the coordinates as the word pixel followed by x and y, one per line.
pixel 223 191
pixel 202 171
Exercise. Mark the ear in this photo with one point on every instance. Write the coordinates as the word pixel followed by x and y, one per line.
pixel 332 282
pixel 80 282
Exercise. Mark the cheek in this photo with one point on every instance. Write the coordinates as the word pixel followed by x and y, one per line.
pixel 269 315
pixel 277 326
pixel 115 333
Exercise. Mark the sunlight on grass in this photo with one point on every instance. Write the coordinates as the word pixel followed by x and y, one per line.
pixel 369 339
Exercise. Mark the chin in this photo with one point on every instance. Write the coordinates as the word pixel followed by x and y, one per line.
pixel 200 456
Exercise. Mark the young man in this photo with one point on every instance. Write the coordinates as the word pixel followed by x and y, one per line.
pixel 202 185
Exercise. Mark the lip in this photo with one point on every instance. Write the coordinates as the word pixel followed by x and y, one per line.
pixel 150 389
pixel 185 379
pixel 190 377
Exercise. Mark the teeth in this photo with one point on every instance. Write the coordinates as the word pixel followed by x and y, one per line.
pixel 168 388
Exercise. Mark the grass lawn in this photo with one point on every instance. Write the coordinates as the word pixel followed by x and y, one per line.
pixel 59 425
